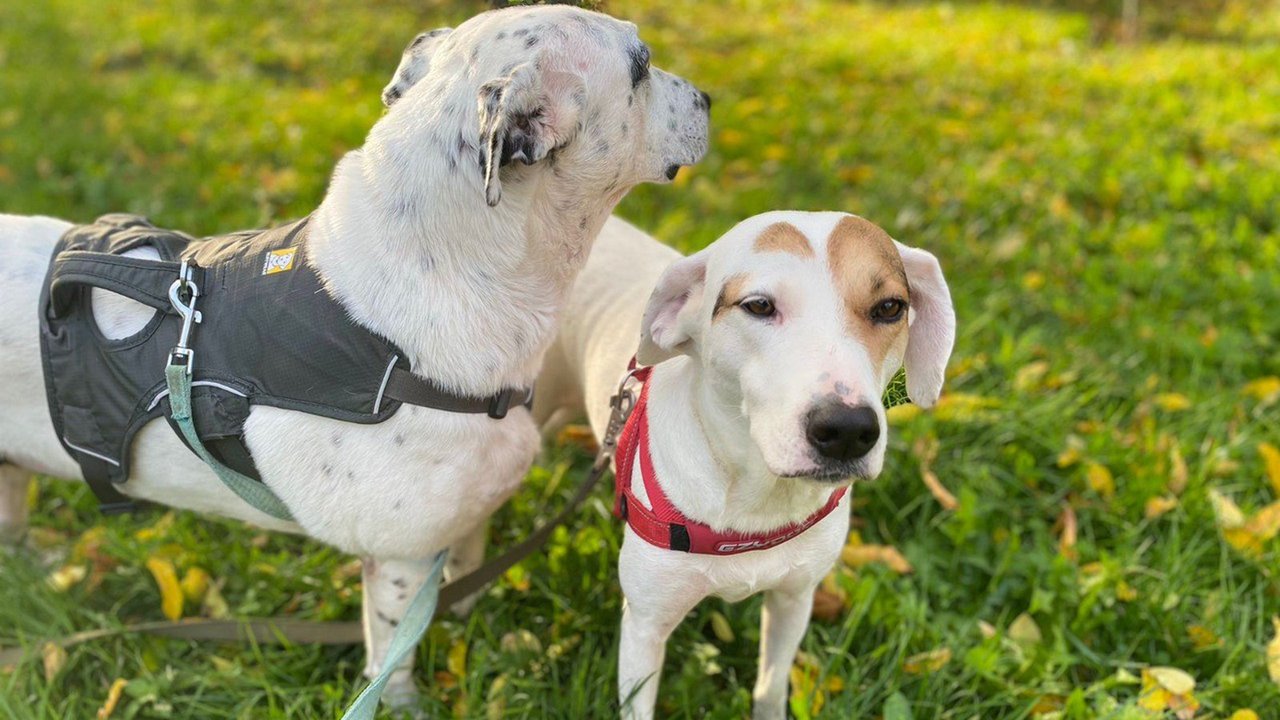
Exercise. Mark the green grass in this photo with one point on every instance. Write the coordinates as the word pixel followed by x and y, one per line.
pixel 1107 216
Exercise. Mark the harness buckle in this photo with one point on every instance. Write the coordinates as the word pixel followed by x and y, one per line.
pixel 499 404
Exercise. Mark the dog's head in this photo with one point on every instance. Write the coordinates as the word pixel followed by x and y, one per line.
pixel 559 87
pixel 803 319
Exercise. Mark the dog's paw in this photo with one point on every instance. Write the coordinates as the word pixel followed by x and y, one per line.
pixel 403 700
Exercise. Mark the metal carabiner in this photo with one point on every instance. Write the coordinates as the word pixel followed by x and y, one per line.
pixel 182 353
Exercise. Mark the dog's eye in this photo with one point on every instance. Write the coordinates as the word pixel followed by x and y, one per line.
pixel 889 311
pixel 759 306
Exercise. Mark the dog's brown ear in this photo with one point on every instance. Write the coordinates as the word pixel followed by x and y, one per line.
pixel 525 116
pixel 932 331
pixel 414 64
pixel 670 321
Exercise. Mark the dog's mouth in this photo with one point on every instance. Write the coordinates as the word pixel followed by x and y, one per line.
pixel 671 171
pixel 842 474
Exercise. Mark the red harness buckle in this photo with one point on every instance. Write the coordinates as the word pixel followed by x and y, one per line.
pixel 661 524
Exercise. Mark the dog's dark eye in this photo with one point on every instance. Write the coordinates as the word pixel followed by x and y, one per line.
pixel 889 311
pixel 758 306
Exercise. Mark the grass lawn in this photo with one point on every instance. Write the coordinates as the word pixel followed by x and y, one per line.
pixel 1108 219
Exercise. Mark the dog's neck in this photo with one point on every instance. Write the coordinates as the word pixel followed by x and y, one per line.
pixel 406 242
pixel 707 463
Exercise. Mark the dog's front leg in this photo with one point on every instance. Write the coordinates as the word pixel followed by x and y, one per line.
pixel 389 587
pixel 646 625
pixel 14 482
pixel 782 624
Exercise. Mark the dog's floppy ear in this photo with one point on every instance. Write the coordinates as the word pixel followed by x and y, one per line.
pixel 414 64
pixel 524 116
pixel 932 332
pixel 670 317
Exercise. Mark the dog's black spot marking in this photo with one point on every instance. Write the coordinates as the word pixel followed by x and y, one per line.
pixel 671 108
pixel 582 224
pixel 638 55
pixel 624 128
pixel 842 389
pixel 391 95
pixel 602 147
pixel 400 583
pixel 351 475
pixel 382 616
pixel 397 505
pixel 327 470
pixel 502 35
pixel 521 32
pixel 399 439
pixel 630 99
pixel 531 41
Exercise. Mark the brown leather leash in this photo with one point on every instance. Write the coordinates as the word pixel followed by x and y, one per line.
pixel 288 631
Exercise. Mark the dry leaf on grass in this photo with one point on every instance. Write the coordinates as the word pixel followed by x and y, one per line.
pixel 1273 652
pixel 1070 530
pixel 856 556
pixel 1168 689
pixel 1172 402
pixel 66 577
pixel 827 606
pixel 54 657
pixel 579 436
pixel 1100 479
pixel 1271 461
pixel 1265 389
pixel 1024 630
pixel 170 589
pixel 1158 506
pixel 926 663
pixel 113 698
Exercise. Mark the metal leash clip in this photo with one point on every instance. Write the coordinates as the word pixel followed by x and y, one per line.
pixel 184 286
pixel 620 406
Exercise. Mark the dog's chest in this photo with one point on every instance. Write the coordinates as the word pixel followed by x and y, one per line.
pixel 798 563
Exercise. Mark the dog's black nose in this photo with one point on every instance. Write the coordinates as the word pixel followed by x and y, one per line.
pixel 706 99
pixel 841 432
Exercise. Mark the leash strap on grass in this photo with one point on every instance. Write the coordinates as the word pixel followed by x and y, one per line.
pixel 178 378
pixel 410 630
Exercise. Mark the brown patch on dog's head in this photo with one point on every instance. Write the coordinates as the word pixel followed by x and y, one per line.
pixel 866 268
pixel 731 293
pixel 786 238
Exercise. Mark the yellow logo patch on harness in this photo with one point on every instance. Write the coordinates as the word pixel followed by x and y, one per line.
pixel 279 261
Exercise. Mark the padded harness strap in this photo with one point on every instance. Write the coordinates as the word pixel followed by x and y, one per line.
pixel 408 388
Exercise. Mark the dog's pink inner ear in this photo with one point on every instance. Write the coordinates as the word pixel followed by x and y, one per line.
pixel 662 334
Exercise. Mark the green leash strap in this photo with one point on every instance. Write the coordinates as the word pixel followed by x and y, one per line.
pixel 410 630
pixel 251 491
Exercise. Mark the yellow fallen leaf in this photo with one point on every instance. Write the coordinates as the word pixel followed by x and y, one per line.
pixel 1029 376
pixel 54 657
pixel 1266 389
pixel 195 583
pixel 986 629
pixel 457 660
pixel 65 577
pixel 1158 506
pixel 902 414
pixel 961 407
pixel 1273 652
pixel 1070 528
pixel 1226 511
pixel 1172 402
pixel 938 490
pixel 1125 592
pixel 1072 455
pixel 1202 638
pixel 158 530
pixel 1265 523
pixel 1244 714
pixel 113 698
pixel 579 436
pixel 1271 461
pixel 926 663
pixel 1033 280
pixel 1100 479
pixel 170 590
pixel 724 631
pixel 856 556
pixel 1177 470
pixel 214 605
pixel 1168 689
pixel 1024 630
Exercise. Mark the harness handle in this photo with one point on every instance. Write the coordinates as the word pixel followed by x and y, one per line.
pixel 139 279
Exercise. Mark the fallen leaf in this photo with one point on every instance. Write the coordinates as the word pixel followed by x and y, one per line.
pixel 66 577
pixel 54 657
pixel 1177 470
pixel 457 660
pixel 1226 511
pixel 1029 376
pixel 938 490
pixel 1070 528
pixel 861 555
pixel 926 663
pixel 1100 479
pixel 195 583
pixel 902 414
pixel 214 605
pixel 962 407
pixel 1202 638
pixel 170 590
pixel 1168 689
pixel 1273 652
pixel 1158 506
pixel 1266 389
pixel 1245 714
pixel 987 630
pixel 579 436
pixel 113 698
pixel 1271 461
pixel 1172 402
pixel 722 629
pixel 827 606
pixel 1024 630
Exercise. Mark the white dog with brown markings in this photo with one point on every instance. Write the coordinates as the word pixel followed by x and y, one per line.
pixel 455 233
pixel 772 348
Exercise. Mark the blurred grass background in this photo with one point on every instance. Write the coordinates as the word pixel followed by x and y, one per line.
pixel 1102 192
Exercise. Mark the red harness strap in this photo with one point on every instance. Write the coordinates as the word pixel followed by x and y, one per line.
pixel 661 524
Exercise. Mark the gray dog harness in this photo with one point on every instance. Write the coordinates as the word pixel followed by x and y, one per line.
pixel 266 332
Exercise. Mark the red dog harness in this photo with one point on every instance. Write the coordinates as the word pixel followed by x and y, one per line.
pixel 666 527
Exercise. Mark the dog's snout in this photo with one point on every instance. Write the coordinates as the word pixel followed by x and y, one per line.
pixel 843 432
pixel 706 99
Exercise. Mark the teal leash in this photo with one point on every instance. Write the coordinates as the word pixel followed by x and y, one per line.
pixel 408 633
pixel 177 376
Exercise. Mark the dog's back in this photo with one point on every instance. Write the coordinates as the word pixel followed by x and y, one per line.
pixel 600 327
